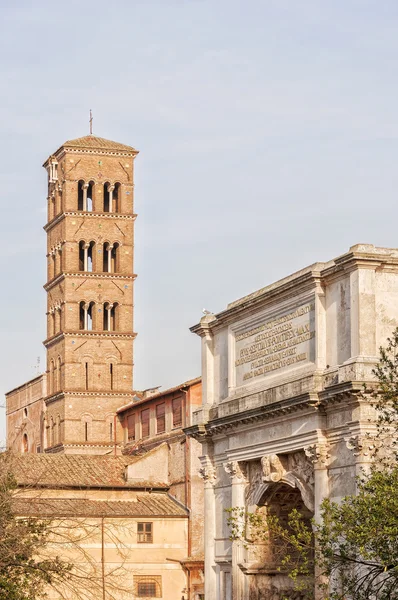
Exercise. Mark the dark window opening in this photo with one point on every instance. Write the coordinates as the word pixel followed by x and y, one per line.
pixel 131 427
pixel 160 418
pixel 111 374
pixel 116 198
pixel 25 443
pixel 90 197
pixel 144 533
pixel 177 412
pixel 145 423
pixel 80 195
pixel 86 374
pixel 106 197
pixel 86 431
pixel 111 432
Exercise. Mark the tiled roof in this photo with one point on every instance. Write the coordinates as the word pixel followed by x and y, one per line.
pixel 92 142
pixel 144 504
pixel 71 470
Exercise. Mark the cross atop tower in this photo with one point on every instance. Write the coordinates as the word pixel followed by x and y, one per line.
pixel 91 122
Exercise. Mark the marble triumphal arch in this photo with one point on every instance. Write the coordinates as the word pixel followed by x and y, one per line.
pixel 285 421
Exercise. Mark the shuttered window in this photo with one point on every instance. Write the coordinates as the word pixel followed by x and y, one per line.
pixel 144 533
pixel 131 427
pixel 177 412
pixel 160 418
pixel 145 423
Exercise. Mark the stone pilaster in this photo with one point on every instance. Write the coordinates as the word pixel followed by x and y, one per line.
pixel 238 486
pixel 319 456
pixel 208 474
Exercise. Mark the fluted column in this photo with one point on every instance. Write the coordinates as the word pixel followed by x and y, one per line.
pixel 208 474
pixel 238 487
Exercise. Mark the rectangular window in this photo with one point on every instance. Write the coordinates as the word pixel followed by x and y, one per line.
pixel 111 432
pixel 131 427
pixel 145 423
pixel 160 418
pixel 148 586
pixel 177 412
pixel 144 533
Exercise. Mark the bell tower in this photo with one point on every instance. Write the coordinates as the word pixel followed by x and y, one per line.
pixel 90 277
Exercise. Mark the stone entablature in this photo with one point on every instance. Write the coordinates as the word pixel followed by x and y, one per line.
pixel 285 418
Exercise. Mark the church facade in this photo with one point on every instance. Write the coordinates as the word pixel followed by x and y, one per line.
pixel 285 418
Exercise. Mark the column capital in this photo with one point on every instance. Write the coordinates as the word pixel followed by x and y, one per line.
pixel 236 470
pixel 361 445
pixel 318 455
pixel 208 474
pixel 84 186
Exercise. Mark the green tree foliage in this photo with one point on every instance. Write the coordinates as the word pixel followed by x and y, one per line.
pixel 354 549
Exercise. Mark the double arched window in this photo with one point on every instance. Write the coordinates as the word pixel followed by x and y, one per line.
pixel 110 316
pixel 86 314
pixel 86 255
pixel 112 197
pixel 111 256
pixel 88 199
pixel 85 196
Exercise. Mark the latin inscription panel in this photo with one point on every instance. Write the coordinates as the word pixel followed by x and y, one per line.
pixel 275 345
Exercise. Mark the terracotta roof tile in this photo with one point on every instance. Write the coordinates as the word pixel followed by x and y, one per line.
pixel 72 470
pixel 144 504
pixel 92 142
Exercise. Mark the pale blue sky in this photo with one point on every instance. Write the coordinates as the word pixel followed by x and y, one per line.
pixel 268 138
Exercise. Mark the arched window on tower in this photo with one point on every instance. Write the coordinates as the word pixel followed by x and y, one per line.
pixel 110 316
pixel 80 194
pixel 25 443
pixel 52 432
pixel 52 376
pixel 86 311
pixel 53 263
pixel 90 197
pixel 58 430
pixel 107 197
pixel 86 255
pixel 59 378
pixel 116 198
pixel 111 257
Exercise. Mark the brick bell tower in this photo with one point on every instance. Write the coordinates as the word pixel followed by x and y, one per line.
pixel 90 277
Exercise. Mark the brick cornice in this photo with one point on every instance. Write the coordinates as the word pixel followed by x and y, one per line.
pixel 90 214
pixel 87 275
pixel 118 335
